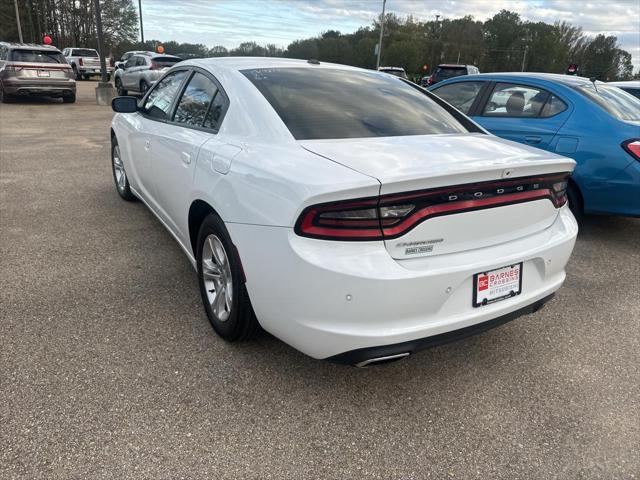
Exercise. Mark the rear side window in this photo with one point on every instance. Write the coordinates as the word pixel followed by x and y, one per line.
pixel 159 100
pixel 195 101
pixel 333 103
pixel 37 56
pixel 3 53
pixel 553 107
pixel 140 61
pixel 617 102
pixel 84 52
pixel 461 95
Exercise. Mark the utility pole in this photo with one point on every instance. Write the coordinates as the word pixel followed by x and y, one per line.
pixel 384 3
pixel 104 90
pixel 140 14
pixel 15 2
pixel 524 57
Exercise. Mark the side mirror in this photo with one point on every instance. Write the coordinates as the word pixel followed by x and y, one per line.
pixel 120 66
pixel 124 104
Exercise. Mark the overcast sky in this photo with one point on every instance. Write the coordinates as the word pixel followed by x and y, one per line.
pixel 229 22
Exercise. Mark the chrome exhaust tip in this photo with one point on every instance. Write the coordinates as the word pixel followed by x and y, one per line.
pixel 379 360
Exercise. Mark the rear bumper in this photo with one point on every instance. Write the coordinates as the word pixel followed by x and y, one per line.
pixel 39 87
pixel 331 298
pixel 93 70
pixel 361 356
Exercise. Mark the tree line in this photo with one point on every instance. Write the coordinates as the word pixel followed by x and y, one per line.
pixel 504 42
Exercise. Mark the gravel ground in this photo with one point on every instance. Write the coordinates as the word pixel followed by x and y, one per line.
pixel 109 368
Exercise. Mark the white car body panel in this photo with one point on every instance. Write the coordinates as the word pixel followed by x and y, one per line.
pixel 259 179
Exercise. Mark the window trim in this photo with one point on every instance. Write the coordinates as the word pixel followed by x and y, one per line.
pixel 480 112
pixel 191 70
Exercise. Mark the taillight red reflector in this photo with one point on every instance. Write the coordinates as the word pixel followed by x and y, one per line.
pixel 633 147
pixel 391 216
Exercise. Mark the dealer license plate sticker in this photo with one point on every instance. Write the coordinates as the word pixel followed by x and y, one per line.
pixel 498 284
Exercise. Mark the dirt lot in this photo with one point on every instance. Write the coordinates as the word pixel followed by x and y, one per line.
pixel 109 368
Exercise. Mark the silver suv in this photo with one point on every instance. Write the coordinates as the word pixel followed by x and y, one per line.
pixel 28 69
pixel 141 71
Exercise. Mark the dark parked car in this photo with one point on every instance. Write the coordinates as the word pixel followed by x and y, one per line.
pixel 27 69
pixel 446 71
pixel 395 71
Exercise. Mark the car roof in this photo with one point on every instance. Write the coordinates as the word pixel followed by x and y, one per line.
pixel 32 46
pixel 568 80
pixel 249 63
pixel 391 68
pixel 628 83
pixel 454 65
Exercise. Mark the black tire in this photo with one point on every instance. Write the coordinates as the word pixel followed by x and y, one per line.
pixel 86 77
pixel 76 73
pixel 122 185
pixel 5 97
pixel 71 98
pixel 241 323
pixel 144 87
pixel 576 203
pixel 121 91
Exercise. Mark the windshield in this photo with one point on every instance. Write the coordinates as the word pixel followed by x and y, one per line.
pixel 331 103
pixel 617 102
pixel 37 56
pixel 84 52
pixel 166 61
pixel 448 72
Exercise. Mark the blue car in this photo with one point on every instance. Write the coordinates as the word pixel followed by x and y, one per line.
pixel 596 124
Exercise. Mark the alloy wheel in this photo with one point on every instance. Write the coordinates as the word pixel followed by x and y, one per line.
pixel 118 168
pixel 218 281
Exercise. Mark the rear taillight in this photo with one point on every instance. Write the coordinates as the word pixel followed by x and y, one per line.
pixel 80 61
pixel 391 216
pixel 632 147
pixel 430 80
pixel 12 68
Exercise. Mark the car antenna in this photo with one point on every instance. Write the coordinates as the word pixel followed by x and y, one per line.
pixel 593 80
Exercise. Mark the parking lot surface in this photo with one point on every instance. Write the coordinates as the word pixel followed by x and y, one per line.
pixel 109 367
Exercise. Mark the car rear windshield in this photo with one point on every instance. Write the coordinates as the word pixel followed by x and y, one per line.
pixel 37 56
pixel 617 102
pixel 442 73
pixel 84 52
pixel 334 103
pixel 166 61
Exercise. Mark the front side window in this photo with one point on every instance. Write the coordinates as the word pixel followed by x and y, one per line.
pixel 159 100
pixel 140 62
pixel 328 103
pixel 513 100
pixel 617 102
pixel 196 100
pixel 131 62
pixel 461 95
pixel 37 56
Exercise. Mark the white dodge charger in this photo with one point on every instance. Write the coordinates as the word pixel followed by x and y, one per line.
pixel 348 212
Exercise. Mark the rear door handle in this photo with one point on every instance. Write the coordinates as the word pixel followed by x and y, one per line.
pixel 186 158
pixel 147 144
pixel 532 139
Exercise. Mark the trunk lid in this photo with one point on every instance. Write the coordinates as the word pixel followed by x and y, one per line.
pixel 481 190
